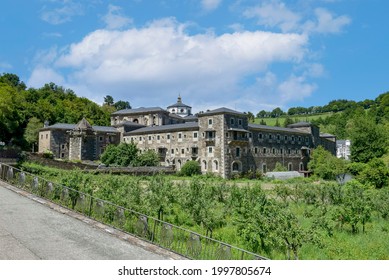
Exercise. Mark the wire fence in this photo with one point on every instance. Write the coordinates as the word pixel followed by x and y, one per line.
pixel 176 239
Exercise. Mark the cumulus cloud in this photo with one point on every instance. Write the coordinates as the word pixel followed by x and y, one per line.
pixel 149 66
pixel 276 14
pixel 114 19
pixel 326 22
pixel 210 5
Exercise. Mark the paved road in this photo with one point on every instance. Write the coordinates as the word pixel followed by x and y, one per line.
pixel 32 230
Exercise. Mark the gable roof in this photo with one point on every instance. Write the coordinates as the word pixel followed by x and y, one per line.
pixel 138 111
pixel 165 128
pixel 222 110
pixel 67 126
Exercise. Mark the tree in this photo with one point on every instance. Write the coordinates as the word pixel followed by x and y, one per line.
pixel 250 117
pixel 147 158
pixel 357 205
pixel 276 112
pixel 108 100
pixel 375 173
pixel 190 168
pixel 32 132
pixel 262 114
pixel 369 140
pixel 121 105
pixel 123 154
pixel 288 120
pixel 325 165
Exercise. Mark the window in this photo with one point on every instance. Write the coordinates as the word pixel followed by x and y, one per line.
pixel 264 151
pixel 290 167
pixel 172 151
pixel 301 166
pixel 215 165
pixel 210 150
pixel 235 166
pixel 278 137
pixel 63 146
pixel 237 151
pixel 286 138
pixel 274 151
pixel 62 155
pixel 240 122
pixel 195 134
pixel 255 150
pixel 47 135
pixel 264 168
pixel 260 136
pixel 179 135
pixel 168 136
pixel 158 137
pixel 250 135
pixel 182 151
pixel 149 137
pixel 227 135
pixel 209 121
pixel 232 121
pixel 41 136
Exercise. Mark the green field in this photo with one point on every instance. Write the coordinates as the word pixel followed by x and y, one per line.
pixel 296 118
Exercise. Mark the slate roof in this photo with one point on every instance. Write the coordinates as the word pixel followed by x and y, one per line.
pixel 165 128
pixel 221 111
pixel 300 124
pixel 67 126
pixel 138 110
pixel 276 128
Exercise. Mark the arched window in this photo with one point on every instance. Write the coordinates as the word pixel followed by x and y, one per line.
pixel 135 121
pixel 301 166
pixel 236 166
pixel 204 165
pixel 290 166
pixel 215 166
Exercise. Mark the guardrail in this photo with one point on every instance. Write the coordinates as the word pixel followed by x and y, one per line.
pixel 176 239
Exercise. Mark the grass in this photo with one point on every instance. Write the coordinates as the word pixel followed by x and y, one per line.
pixel 296 118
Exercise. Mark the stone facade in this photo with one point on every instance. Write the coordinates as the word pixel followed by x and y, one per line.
pixel 221 140
pixel 77 142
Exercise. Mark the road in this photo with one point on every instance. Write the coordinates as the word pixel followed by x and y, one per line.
pixel 30 229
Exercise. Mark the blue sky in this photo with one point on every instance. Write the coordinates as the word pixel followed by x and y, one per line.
pixel 243 54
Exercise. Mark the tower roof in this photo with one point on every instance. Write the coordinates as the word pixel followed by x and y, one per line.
pixel 179 103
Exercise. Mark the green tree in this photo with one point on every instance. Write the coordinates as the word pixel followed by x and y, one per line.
pixel 325 165
pixel 123 154
pixel 147 158
pixel 375 173
pixel 121 105
pixel 369 140
pixel 108 100
pixel 357 205
pixel 190 168
pixel 32 132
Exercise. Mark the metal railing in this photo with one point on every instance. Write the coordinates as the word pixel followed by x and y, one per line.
pixel 176 239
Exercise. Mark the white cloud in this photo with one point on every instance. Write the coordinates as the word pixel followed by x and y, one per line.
pixel 149 66
pixel 210 5
pixel 114 19
pixel 295 88
pixel 274 14
pixel 326 22
pixel 63 14
pixel 42 75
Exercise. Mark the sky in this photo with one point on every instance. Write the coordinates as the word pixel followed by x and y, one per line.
pixel 247 55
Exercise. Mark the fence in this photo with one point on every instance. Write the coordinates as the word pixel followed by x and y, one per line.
pixel 176 239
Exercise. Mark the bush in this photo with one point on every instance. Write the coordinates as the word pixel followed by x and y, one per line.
pixel 190 168
pixel 147 158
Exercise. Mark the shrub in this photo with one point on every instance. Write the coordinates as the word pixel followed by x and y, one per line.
pixel 190 168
